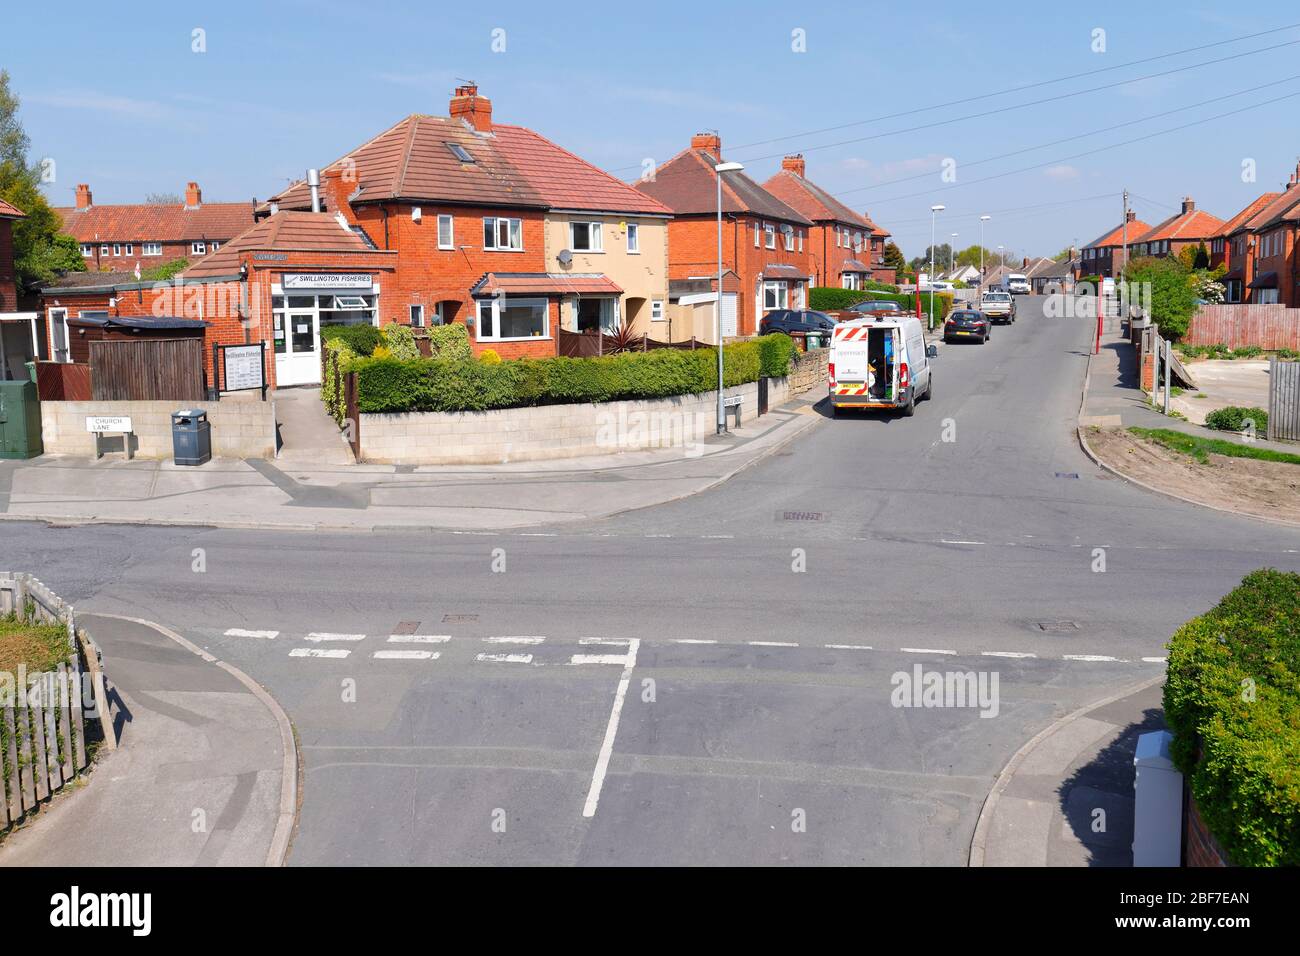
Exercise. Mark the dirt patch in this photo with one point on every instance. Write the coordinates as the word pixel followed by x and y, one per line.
pixel 38 647
pixel 1266 489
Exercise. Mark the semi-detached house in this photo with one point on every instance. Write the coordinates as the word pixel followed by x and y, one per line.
pixel 1261 247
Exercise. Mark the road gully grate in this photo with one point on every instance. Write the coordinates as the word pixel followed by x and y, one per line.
pixel 803 516
pixel 460 619
pixel 1067 474
pixel 1056 627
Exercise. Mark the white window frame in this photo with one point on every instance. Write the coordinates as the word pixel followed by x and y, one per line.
pixel 213 246
pixel 514 234
pixel 758 234
pixel 103 250
pixel 781 290
pixel 151 248
pixel 450 223
pixel 801 240
pixel 417 316
pixel 117 250
pixel 495 303
pixel 198 248
pixel 769 234
pixel 633 239
pixel 594 231
pixel 88 250
pixel 787 233
pixel 128 249
pixel 657 310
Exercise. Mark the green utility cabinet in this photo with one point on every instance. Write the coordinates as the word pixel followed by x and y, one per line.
pixel 20 420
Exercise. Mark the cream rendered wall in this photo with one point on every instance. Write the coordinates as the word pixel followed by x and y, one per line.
pixel 642 275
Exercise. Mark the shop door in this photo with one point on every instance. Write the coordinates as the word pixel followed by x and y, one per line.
pixel 297 359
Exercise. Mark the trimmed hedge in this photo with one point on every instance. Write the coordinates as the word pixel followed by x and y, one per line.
pixel 361 339
pixel 1233 418
pixel 400 341
pixel 438 385
pixel 1232 699
pixel 450 342
pixel 825 299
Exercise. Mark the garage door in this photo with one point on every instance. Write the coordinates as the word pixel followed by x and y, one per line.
pixel 728 314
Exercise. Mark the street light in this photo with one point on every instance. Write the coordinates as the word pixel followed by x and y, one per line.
pixel 1002 256
pixel 952 255
pixel 935 209
pixel 983 219
pixel 719 169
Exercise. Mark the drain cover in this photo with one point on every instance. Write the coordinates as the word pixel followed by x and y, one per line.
pixel 1067 474
pixel 460 619
pixel 1056 627
pixel 803 516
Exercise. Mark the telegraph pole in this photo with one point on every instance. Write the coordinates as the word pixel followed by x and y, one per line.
pixel 1124 268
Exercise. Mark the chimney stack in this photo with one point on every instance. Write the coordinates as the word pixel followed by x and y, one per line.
pixel 1188 205
pixel 1295 177
pixel 1132 215
pixel 795 165
pixel 711 143
pixel 83 196
pixel 476 110
pixel 193 196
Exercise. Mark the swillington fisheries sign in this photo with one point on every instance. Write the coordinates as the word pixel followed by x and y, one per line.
pixel 310 281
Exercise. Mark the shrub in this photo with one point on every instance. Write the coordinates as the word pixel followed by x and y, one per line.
pixel 830 299
pixel 1247 351
pixel 400 341
pixel 1173 300
pixel 450 342
pixel 361 339
pixel 490 357
pixel 1232 699
pixel 382 352
pixel 336 351
pixel 775 352
pixel 1233 418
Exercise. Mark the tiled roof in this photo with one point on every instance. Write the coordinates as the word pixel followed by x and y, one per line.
pixel 811 200
pixel 151 222
pixel 285 231
pixel 413 160
pixel 779 269
pixel 1243 217
pixel 876 230
pixel 1284 207
pixel 1057 270
pixel 10 212
pixel 1038 266
pixel 1194 224
pixel 1116 236
pixel 853 265
pixel 544 283
pixel 686 184
pixel 566 181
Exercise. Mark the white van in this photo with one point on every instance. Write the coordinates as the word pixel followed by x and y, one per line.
pixel 880 363
pixel 1018 284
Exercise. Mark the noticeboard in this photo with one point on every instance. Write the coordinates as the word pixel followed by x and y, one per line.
pixel 243 367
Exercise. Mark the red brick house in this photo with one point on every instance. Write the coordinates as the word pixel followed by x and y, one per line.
pixel 119 238
pixel 1228 239
pixel 844 249
pixel 879 236
pixel 1104 256
pixel 20 334
pixel 1190 227
pixel 765 241
pixel 8 272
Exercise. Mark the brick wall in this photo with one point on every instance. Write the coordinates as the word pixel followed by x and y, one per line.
pixel 809 370
pixel 8 285
pixel 1199 846
pixel 242 427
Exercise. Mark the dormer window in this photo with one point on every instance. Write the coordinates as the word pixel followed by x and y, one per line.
pixel 460 152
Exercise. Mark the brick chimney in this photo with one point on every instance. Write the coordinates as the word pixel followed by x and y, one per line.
pixel 335 191
pixel 794 164
pixel 1132 215
pixel 1024 263
pixel 476 110
pixel 193 196
pixel 83 196
pixel 711 143
pixel 1295 177
pixel 1188 205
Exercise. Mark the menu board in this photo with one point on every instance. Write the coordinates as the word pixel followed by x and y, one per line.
pixel 242 367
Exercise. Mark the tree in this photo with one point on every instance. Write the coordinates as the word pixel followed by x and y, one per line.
pixel 40 252
pixel 970 256
pixel 894 257
pixel 1173 299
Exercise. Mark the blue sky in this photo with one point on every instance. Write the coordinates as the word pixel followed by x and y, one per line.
pixel 129 107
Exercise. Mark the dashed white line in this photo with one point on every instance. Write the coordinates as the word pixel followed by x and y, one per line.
pixel 329 636
pixel 406 655
pixel 505 658
pixel 611 731
pixel 598 659
pixel 925 650
pixel 419 638
pixel 610 641
pixel 1006 654
pixel 240 632
pixel 513 640
pixel 1155 660
pixel 692 640
pixel 770 644
pixel 335 653
pixel 946 541
pixel 1094 658
pixel 848 647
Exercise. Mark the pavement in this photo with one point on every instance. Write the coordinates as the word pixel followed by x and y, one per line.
pixel 205 772
pixel 308 490
pixel 1222 382
pixel 711 680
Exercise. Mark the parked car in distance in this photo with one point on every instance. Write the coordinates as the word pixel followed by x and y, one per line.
pixel 795 320
pixel 884 307
pixel 940 286
pixel 1018 284
pixel 967 324
pixel 998 306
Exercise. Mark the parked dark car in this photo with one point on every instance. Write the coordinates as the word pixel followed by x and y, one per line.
pixel 967 324
pixel 878 307
pixel 795 320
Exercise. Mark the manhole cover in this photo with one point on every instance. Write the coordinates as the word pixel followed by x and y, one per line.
pixel 1056 627
pixel 803 516
pixel 460 619
pixel 1067 474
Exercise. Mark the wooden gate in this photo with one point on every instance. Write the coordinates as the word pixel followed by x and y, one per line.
pixel 1283 400
pixel 148 370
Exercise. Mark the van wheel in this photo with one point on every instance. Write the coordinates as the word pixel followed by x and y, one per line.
pixel 910 408
pixel 929 388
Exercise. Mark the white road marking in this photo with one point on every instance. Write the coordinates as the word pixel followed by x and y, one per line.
pixel 505 658
pixel 719 536
pixel 318 652
pixel 611 731
pixel 419 638
pixel 848 647
pixel 1006 654
pixel 327 636
pixel 924 650
pixel 514 640
pixel 598 659
pixel 1155 660
pixel 610 641
pixel 946 541
pixel 240 632
pixel 1093 657
pixel 691 640
pixel 770 644
pixel 537 534
pixel 406 655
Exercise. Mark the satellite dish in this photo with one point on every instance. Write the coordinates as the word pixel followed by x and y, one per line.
pixel 565 257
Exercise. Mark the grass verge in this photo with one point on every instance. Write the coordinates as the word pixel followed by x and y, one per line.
pixel 1201 448
pixel 39 647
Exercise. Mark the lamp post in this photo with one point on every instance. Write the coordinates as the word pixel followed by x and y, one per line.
pixel 952 255
pixel 983 219
pixel 719 169
pixel 934 210
pixel 1002 256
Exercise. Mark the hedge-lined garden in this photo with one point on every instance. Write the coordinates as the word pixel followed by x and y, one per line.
pixel 829 299
pixel 1232 699
pixel 448 382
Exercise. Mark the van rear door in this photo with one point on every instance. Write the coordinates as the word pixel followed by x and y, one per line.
pixel 849 354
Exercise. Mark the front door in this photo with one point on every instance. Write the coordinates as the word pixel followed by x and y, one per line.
pixel 59 330
pixel 297 359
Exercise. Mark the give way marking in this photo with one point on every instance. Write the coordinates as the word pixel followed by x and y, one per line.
pixel 611 730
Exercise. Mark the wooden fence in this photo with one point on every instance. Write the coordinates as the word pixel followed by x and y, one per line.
pixel 62 382
pixel 1283 400
pixel 593 343
pixel 147 370
pixel 1270 327
pixel 49 723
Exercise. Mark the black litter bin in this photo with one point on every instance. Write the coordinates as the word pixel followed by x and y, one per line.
pixel 191 436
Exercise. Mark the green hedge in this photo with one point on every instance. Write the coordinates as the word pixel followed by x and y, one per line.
pixel 336 351
pixel 361 339
pixel 825 299
pixel 1233 418
pixel 450 342
pixel 439 385
pixel 1232 699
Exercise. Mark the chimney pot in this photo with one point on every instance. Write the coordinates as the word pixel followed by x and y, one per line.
pixel 468 106
pixel 710 143
pixel 794 164
pixel 1132 215
pixel 193 195
pixel 1188 205
pixel 83 196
